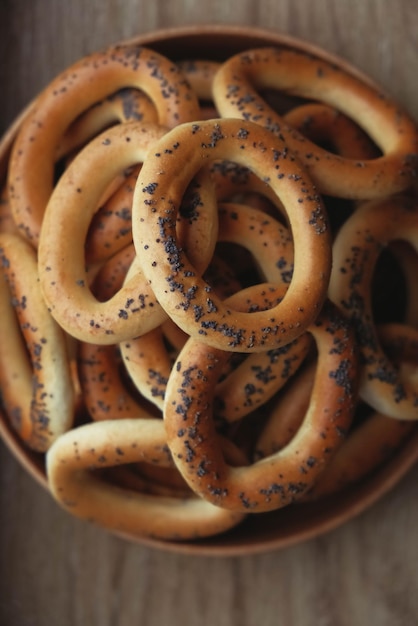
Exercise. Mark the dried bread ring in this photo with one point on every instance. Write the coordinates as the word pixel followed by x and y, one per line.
pixel 63 276
pixel 103 444
pixel 357 247
pixel 282 478
pixel 184 294
pixel 295 72
pixel 36 381
pixel 85 83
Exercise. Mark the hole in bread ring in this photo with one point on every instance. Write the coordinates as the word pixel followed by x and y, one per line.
pixel 295 72
pixel 284 477
pixel 181 291
pixel 98 445
pixel 75 90
pixel 362 238
pixel 36 381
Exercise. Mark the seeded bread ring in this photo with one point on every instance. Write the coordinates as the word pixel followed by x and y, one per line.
pixel 35 373
pixel 116 442
pixel 133 309
pixel 282 478
pixel 297 73
pixel 180 290
pixel 85 83
pixel 357 247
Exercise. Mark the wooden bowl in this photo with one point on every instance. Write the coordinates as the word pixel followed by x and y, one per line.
pixel 298 522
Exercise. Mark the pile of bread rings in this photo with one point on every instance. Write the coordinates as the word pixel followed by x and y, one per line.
pixel 209 295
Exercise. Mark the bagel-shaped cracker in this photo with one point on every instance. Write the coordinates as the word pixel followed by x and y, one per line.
pixel 35 373
pixel 182 291
pixel 75 199
pixel 87 82
pixel 357 247
pixel 282 478
pixel 297 73
pixel 70 464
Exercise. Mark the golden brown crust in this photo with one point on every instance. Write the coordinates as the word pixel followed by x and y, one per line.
pixel 74 91
pixel 35 372
pixel 180 290
pixel 357 247
pixel 297 73
pixel 71 463
pixel 282 478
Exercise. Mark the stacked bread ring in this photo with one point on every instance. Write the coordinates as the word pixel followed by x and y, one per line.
pixel 199 264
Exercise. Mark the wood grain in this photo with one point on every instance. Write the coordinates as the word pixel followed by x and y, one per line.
pixel 57 570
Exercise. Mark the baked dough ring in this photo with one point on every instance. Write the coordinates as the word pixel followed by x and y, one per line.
pixel 297 73
pixel 85 83
pixel 284 477
pixel 356 249
pixel 35 373
pixel 115 442
pixel 186 297
pixel 133 309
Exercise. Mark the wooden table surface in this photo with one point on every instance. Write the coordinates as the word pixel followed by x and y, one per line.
pixel 57 570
